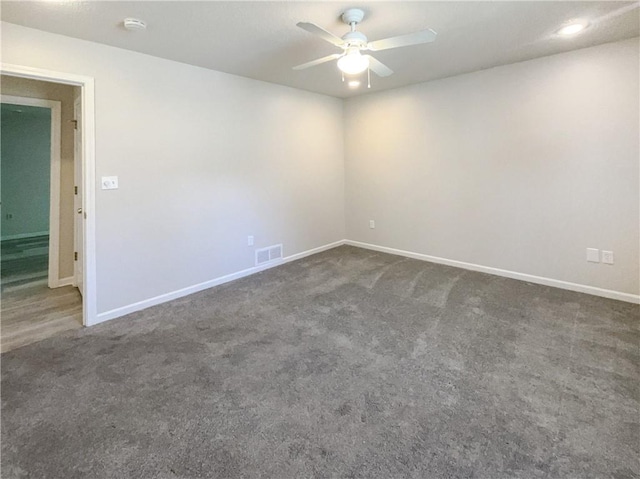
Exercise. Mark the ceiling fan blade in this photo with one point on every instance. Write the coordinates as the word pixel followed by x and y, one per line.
pixel 378 67
pixel 424 36
pixel 313 63
pixel 322 33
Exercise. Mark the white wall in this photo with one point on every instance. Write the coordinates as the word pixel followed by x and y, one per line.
pixel 203 159
pixel 519 167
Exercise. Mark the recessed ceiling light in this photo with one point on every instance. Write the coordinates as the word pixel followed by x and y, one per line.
pixel 354 83
pixel 572 28
pixel 134 24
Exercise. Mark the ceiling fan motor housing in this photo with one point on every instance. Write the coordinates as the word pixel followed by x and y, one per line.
pixel 355 39
pixel 353 15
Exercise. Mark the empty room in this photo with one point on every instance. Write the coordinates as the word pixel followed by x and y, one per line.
pixel 320 239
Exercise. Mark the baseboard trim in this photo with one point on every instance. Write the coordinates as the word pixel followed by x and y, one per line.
pixel 163 298
pixel 24 236
pixel 580 288
pixel 63 282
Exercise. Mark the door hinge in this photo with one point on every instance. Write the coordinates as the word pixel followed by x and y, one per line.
pixel 75 190
pixel 75 124
pixel 75 256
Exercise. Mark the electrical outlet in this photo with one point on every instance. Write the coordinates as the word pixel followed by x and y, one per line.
pixel 249 240
pixel 9 216
pixel 372 224
pixel 593 255
pixel 607 257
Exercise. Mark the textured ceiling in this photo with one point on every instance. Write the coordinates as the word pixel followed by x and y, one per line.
pixel 260 39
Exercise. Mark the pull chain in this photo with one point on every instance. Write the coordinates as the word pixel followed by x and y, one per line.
pixel 368 78
pixel 342 77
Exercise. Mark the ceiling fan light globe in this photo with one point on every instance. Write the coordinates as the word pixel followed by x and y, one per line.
pixel 353 63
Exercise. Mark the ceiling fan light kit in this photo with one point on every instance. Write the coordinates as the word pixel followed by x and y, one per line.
pixel 351 61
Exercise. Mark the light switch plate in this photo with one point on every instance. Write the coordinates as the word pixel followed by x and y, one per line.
pixel 593 255
pixel 109 182
pixel 607 257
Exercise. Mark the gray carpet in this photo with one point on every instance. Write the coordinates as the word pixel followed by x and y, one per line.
pixel 346 364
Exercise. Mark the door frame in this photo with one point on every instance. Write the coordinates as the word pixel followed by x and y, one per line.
pixel 87 88
pixel 53 276
pixel 77 200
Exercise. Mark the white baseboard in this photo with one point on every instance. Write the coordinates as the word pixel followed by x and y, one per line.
pixel 580 288
pixel 24 235
pixel 64 282
pixel 163 298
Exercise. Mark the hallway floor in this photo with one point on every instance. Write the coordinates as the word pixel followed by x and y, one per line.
pixel 24 260
pixel 30 311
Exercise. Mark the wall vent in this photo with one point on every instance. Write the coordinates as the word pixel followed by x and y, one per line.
pixel 268 254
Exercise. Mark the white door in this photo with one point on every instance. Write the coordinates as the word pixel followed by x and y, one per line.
pixel 79 221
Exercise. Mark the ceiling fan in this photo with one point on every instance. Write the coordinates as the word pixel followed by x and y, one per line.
pixel 351 61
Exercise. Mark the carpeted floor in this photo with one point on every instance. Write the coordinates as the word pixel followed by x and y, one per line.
pixel 346 364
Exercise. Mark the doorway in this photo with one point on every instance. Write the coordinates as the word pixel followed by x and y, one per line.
pixel 76 225
pixel 30 192
pixel 37 229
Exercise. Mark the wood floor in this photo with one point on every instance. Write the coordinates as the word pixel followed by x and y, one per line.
pixel 30 311
pixel 24 260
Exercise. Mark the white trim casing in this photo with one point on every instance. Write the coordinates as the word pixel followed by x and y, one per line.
pixel 78 220
pixel 89 302
pixel 163 298
pixel 54 179
pixel 556 283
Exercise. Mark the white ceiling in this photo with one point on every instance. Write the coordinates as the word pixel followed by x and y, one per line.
pixel 260 40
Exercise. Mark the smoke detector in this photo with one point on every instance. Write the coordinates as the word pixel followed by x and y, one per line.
pixel 134 24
